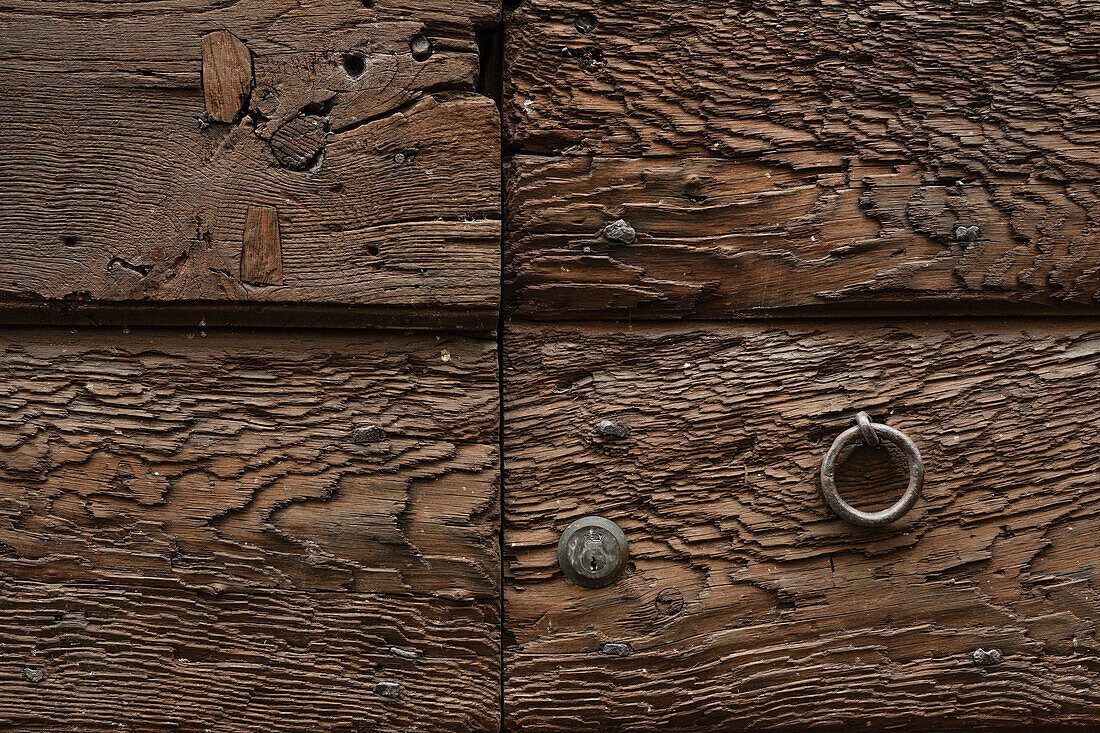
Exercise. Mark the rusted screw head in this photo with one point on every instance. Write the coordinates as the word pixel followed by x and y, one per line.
pixel 592 552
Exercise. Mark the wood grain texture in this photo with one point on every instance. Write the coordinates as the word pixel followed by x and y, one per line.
pixel 120 186
pixel 119 659
pixel 230 530
pixel 261 249
pixel 226 75
pixel 803 156
pixel 747 603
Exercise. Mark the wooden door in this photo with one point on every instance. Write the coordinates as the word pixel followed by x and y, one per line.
pixel 284 286
pixel 730 227
pixel 249 460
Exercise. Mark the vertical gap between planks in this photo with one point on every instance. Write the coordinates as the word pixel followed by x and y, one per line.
pixel 491 84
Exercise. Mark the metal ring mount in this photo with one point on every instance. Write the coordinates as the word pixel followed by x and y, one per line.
pixel 844 443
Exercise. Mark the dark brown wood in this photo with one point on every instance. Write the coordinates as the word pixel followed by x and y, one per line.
pixel 261 252
pixel 248 531
pixel 802 157
pixel 748 603
pixel 138 159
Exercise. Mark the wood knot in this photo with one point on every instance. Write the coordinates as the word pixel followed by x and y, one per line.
pixel 619 231
pixel 300 142
pixel 988 658
pixel 669 602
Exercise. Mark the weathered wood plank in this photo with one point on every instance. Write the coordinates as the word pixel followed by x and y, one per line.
pixel 136 151
pixel 156 659
pixel 715 238
pixel 1006 86
pixel 799 155
pixel 746 601
pixel 231 526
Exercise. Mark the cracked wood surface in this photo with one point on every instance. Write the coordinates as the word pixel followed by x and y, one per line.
pixel 248 531
pixel 747 603
pixel 802 157
pixel 130 168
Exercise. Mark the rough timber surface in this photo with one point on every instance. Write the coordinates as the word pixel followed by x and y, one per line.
pixel 142 134
pixel 803 157
pixel 248 531
pixel 748 604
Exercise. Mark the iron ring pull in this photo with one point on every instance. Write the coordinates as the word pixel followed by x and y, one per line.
pixel 871 433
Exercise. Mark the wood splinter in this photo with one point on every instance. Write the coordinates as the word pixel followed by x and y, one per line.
pixel 261 250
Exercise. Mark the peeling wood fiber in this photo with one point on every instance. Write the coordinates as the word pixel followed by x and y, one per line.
pixel 802 157
pixel 196 535
pixel 748 604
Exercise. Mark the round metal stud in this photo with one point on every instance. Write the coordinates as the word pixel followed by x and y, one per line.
pixel 592 552
pixel 843 445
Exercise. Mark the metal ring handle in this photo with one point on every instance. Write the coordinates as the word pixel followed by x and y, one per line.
pixel 863 420
pixel 843 444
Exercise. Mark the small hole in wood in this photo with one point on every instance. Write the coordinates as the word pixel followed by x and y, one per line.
pixel 69 240
pixel 872 479
pixel 372 251
pixel 354 65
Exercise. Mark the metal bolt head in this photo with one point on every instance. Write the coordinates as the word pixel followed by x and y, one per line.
pixel 592 552
pixel 615 649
